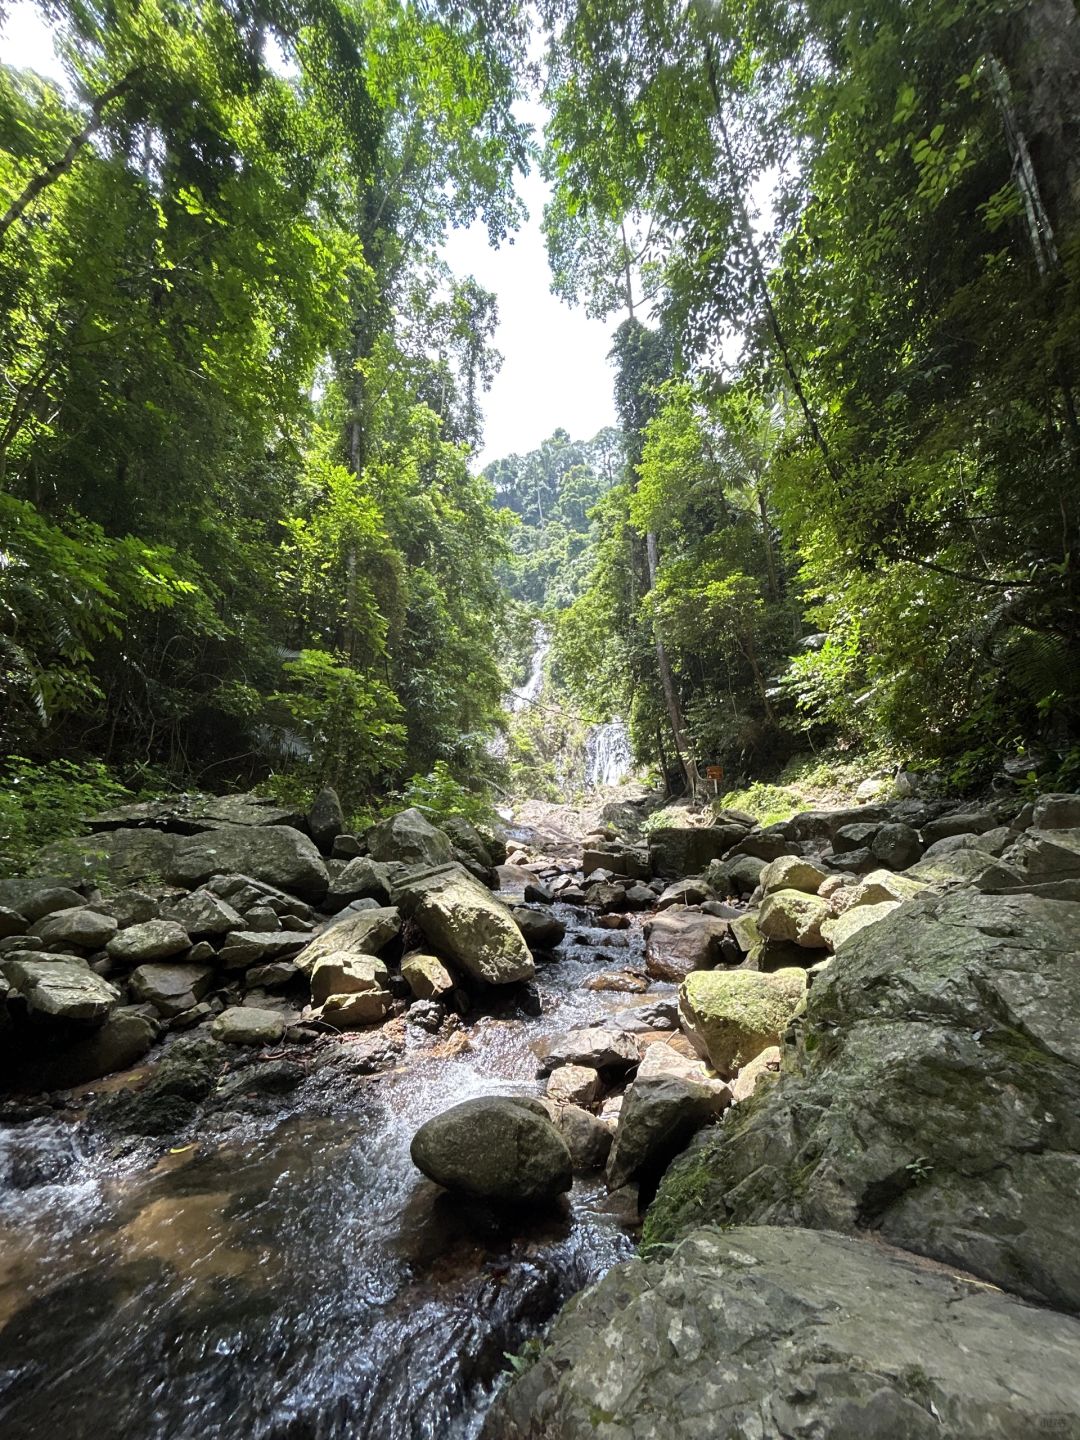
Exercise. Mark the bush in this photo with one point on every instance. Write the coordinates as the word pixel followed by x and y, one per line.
pixel 439 796
pixel 40 803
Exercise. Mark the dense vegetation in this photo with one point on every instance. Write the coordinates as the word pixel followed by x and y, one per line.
pixel 238 521
pixel 239 531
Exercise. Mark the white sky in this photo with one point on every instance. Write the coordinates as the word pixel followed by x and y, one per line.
pixel 555 369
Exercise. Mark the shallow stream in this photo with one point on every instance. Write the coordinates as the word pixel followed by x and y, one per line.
pixel 298 1278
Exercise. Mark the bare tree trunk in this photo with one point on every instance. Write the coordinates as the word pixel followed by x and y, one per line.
pixel 667 682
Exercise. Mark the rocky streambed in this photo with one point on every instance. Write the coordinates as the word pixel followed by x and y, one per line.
pixel 833 1061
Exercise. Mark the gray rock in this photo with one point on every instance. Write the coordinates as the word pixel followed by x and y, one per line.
pixel 34 897
pixel 242 892
pixel 731 1016
pixel 1056 812
pixel 678 942
pixel 823 824
pixel 131 907
pixel 765 845
pixel 358 932
pixel 246 1025
pixel 426 976
pixel 495 1148
pixel 738 876
pixel 793 916
pixel 541 929
pixel 171 989
pixel 60 988
pixel 691 891
pixel 788 1332
pixel 362 879
pixel 356 1007
pixel 326 819
pixel 1045 855
pixel 119 856
pixel 410 838
pixel 932 1091
pixel 792 872
pixel 896 845
pixel 573 1085
pixel 152 940
pixel 468 840
pixel 244 948
pixel 12 923
pixel 261 919
pixel 854 837
pixel 587 1138
pixel 192 814
pixel 960 822
pixel 81 926
pixel 464 921
pixel 677 851
pixel 344 973
pixel 276 854
pixel 599 1047
pixel 670 1099
pixel 204 913
pixel 272 975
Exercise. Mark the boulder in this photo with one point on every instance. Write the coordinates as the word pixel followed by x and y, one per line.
pixel 272 975
pixel 768 1332
pixel 764 845
pixel 356 1007
pixel 793 916
pixel 130 907
pixel 245 893
pixel 34 897
pixel 587 1138
pixel 426 975
pixel 792 872
pixel 193 814
pixel 171 989
pixel 409 837
pixel 751 1074
pixel 823 824
pixel 677 850
pixel 12 923
pixel 464 921
pixel 1040 856
pixel 731 1016
pixel 247 1025
pixel 244 948
pixel 119 856
pixel 839 930
pixel 881 886
pixel 80 926
pixel 152 940
pixel 276 854
pixel 959 822
pixel 497 1148
pixel 121 1041
pixel 465 838
pixel 358 932
pixel 599 1047
pixel 679 941
pixel 574 1085
pixel 896 845
pixel 60 989
pixel 362 879
pixel 346 974
pixel 691 891
pixel 325 819
pixel 931 1091
pixel 854 837
pixel 739 875
pixel 542 930
pixel 1056 812
pixel 670 1099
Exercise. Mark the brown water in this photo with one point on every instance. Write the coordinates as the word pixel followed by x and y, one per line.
pixel 297 1279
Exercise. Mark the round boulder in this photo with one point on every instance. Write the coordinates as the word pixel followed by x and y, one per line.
pixel 501 1148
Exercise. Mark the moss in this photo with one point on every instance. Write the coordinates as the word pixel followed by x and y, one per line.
pixel 686 1198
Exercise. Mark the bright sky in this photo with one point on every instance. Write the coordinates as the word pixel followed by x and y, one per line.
pixel 555 370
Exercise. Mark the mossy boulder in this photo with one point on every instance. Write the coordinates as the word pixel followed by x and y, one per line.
pixel 793 916
pixel 732 1015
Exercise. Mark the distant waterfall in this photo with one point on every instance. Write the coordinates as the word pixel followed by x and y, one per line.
pixel 607 754
pixel 535 683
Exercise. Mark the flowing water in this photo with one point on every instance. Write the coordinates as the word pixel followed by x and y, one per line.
pixel 607 754
pixel 299 1279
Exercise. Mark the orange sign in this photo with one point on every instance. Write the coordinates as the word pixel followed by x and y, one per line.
pixel 714 772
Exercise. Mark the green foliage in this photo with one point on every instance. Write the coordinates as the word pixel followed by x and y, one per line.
pixel 42 803
pixel 439 796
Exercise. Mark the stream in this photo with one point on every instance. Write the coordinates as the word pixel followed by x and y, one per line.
pixel 297 1279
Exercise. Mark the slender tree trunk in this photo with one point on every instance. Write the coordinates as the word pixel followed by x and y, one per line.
pixel 770 551
pixel 51 173
pixel 667 682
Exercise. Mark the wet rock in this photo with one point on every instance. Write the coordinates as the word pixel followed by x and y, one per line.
pixel 463 920
pixel 670 1099
pixel 605 897
pixel 587 1138
pixel 731 1016
pixel 495 1148
pixel 409 837
pixel 658 1012
pixel 60 989
pixel 627 980
pixel 272 1077
pixel 171 989
pixel 325 819
pixel 357 932
pixel 541 929
pixel 152 940
pixel 793 916
pixel 121 1041
pixel 246 1025
pixel 276 854
pixel 767 1332
pixel 638 897
pixel 427 976
pixel 573 1085
pixel 81 926
pixel 792 872
pixel 345 973
pixel 678 942
pixel 932 1091
pixel 598 1047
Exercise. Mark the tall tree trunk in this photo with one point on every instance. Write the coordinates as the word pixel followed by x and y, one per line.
pixel 667 682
